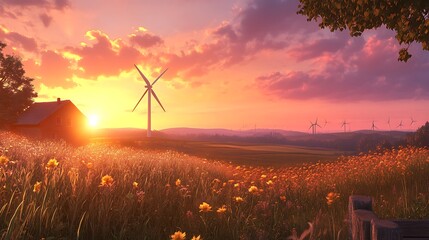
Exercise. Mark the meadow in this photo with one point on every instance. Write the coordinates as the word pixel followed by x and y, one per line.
pixel 51 190
pixel 254 154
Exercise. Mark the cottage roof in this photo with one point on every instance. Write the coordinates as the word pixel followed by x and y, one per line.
pixel 39 111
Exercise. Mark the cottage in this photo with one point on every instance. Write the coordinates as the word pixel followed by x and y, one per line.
pixel 53 120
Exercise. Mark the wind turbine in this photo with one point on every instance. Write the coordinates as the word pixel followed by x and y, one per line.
pixel 400 125
pixel 314 126
pixel 388 122
pixel 373 127
pixel 412 121
pixel 149 92
pixel 344 124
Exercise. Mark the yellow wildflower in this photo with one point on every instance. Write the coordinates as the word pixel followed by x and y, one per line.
pixel 270 183
pixel 178 236
pixel 37 186
pixel 197 237
pixel 4 160
pixel 106 181
pixel 238 199
pixel 178 182
pixel 221 209
pixel 205 207
pixel 332 197
pixel 236 185
pixel 253 190
pixel 283 198
pixel 52 163
pixel 89 165
pixel 263 176
pixel 135 185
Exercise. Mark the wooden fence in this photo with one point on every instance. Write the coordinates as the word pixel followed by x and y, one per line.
pixel 365 225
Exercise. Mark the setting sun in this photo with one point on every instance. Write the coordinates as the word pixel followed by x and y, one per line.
pixel 93 120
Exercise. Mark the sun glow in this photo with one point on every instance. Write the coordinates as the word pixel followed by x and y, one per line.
pixel 93 120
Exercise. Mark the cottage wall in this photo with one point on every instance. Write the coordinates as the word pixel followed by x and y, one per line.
pixel 67 123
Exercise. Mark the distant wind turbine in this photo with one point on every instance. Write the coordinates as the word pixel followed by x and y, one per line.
pixel 314 126
pixel 149 92
pixel 412 121
pixel 344 125
pixel 388 122
pixel 373 127
pixel 400 125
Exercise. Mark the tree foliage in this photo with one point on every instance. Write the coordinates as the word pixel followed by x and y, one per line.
pixel 16 90
pixel 421 137
pixel 409 19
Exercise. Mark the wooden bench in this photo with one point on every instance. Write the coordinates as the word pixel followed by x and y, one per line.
pixel 365 225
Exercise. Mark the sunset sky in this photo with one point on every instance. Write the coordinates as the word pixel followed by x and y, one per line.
pixel 232 64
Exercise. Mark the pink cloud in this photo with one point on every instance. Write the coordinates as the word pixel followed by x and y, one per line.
pixel 105 57
pixel 58 4
pixel 146 40
pixel 55 70
pixel 352 71
pixel 261 25
pixel 15 39
pixel 46 19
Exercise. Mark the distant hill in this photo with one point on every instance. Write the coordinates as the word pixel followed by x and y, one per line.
pixel 228 132
pixel 358 141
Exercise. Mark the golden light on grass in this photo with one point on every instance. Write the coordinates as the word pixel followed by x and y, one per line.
pixel 205 207
pixel 4 160
pixel 37 187
pixel 51 164
pixel 106 181
pixel 178 236
pixel 307 189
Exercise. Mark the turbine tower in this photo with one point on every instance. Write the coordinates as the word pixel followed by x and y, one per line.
pixel 373 127
pixel 344 125
pixel 388 122
pixel 149 92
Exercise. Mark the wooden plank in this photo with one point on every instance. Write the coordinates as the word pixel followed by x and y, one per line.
pixel 361 222
pixel 414 228
pixel 358 202
pixel 385 230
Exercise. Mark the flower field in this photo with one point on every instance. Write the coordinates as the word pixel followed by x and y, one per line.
pixel 52 190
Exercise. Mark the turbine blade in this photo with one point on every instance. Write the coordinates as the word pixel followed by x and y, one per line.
pixel 140 100
pixel 143 76
pixel 159 76
pixel 156 97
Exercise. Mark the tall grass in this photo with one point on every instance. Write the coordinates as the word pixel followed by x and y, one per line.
pixel 152 195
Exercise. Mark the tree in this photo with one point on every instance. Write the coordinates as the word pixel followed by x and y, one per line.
pixel 16 90
pixel 421 137
pixel 409 19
